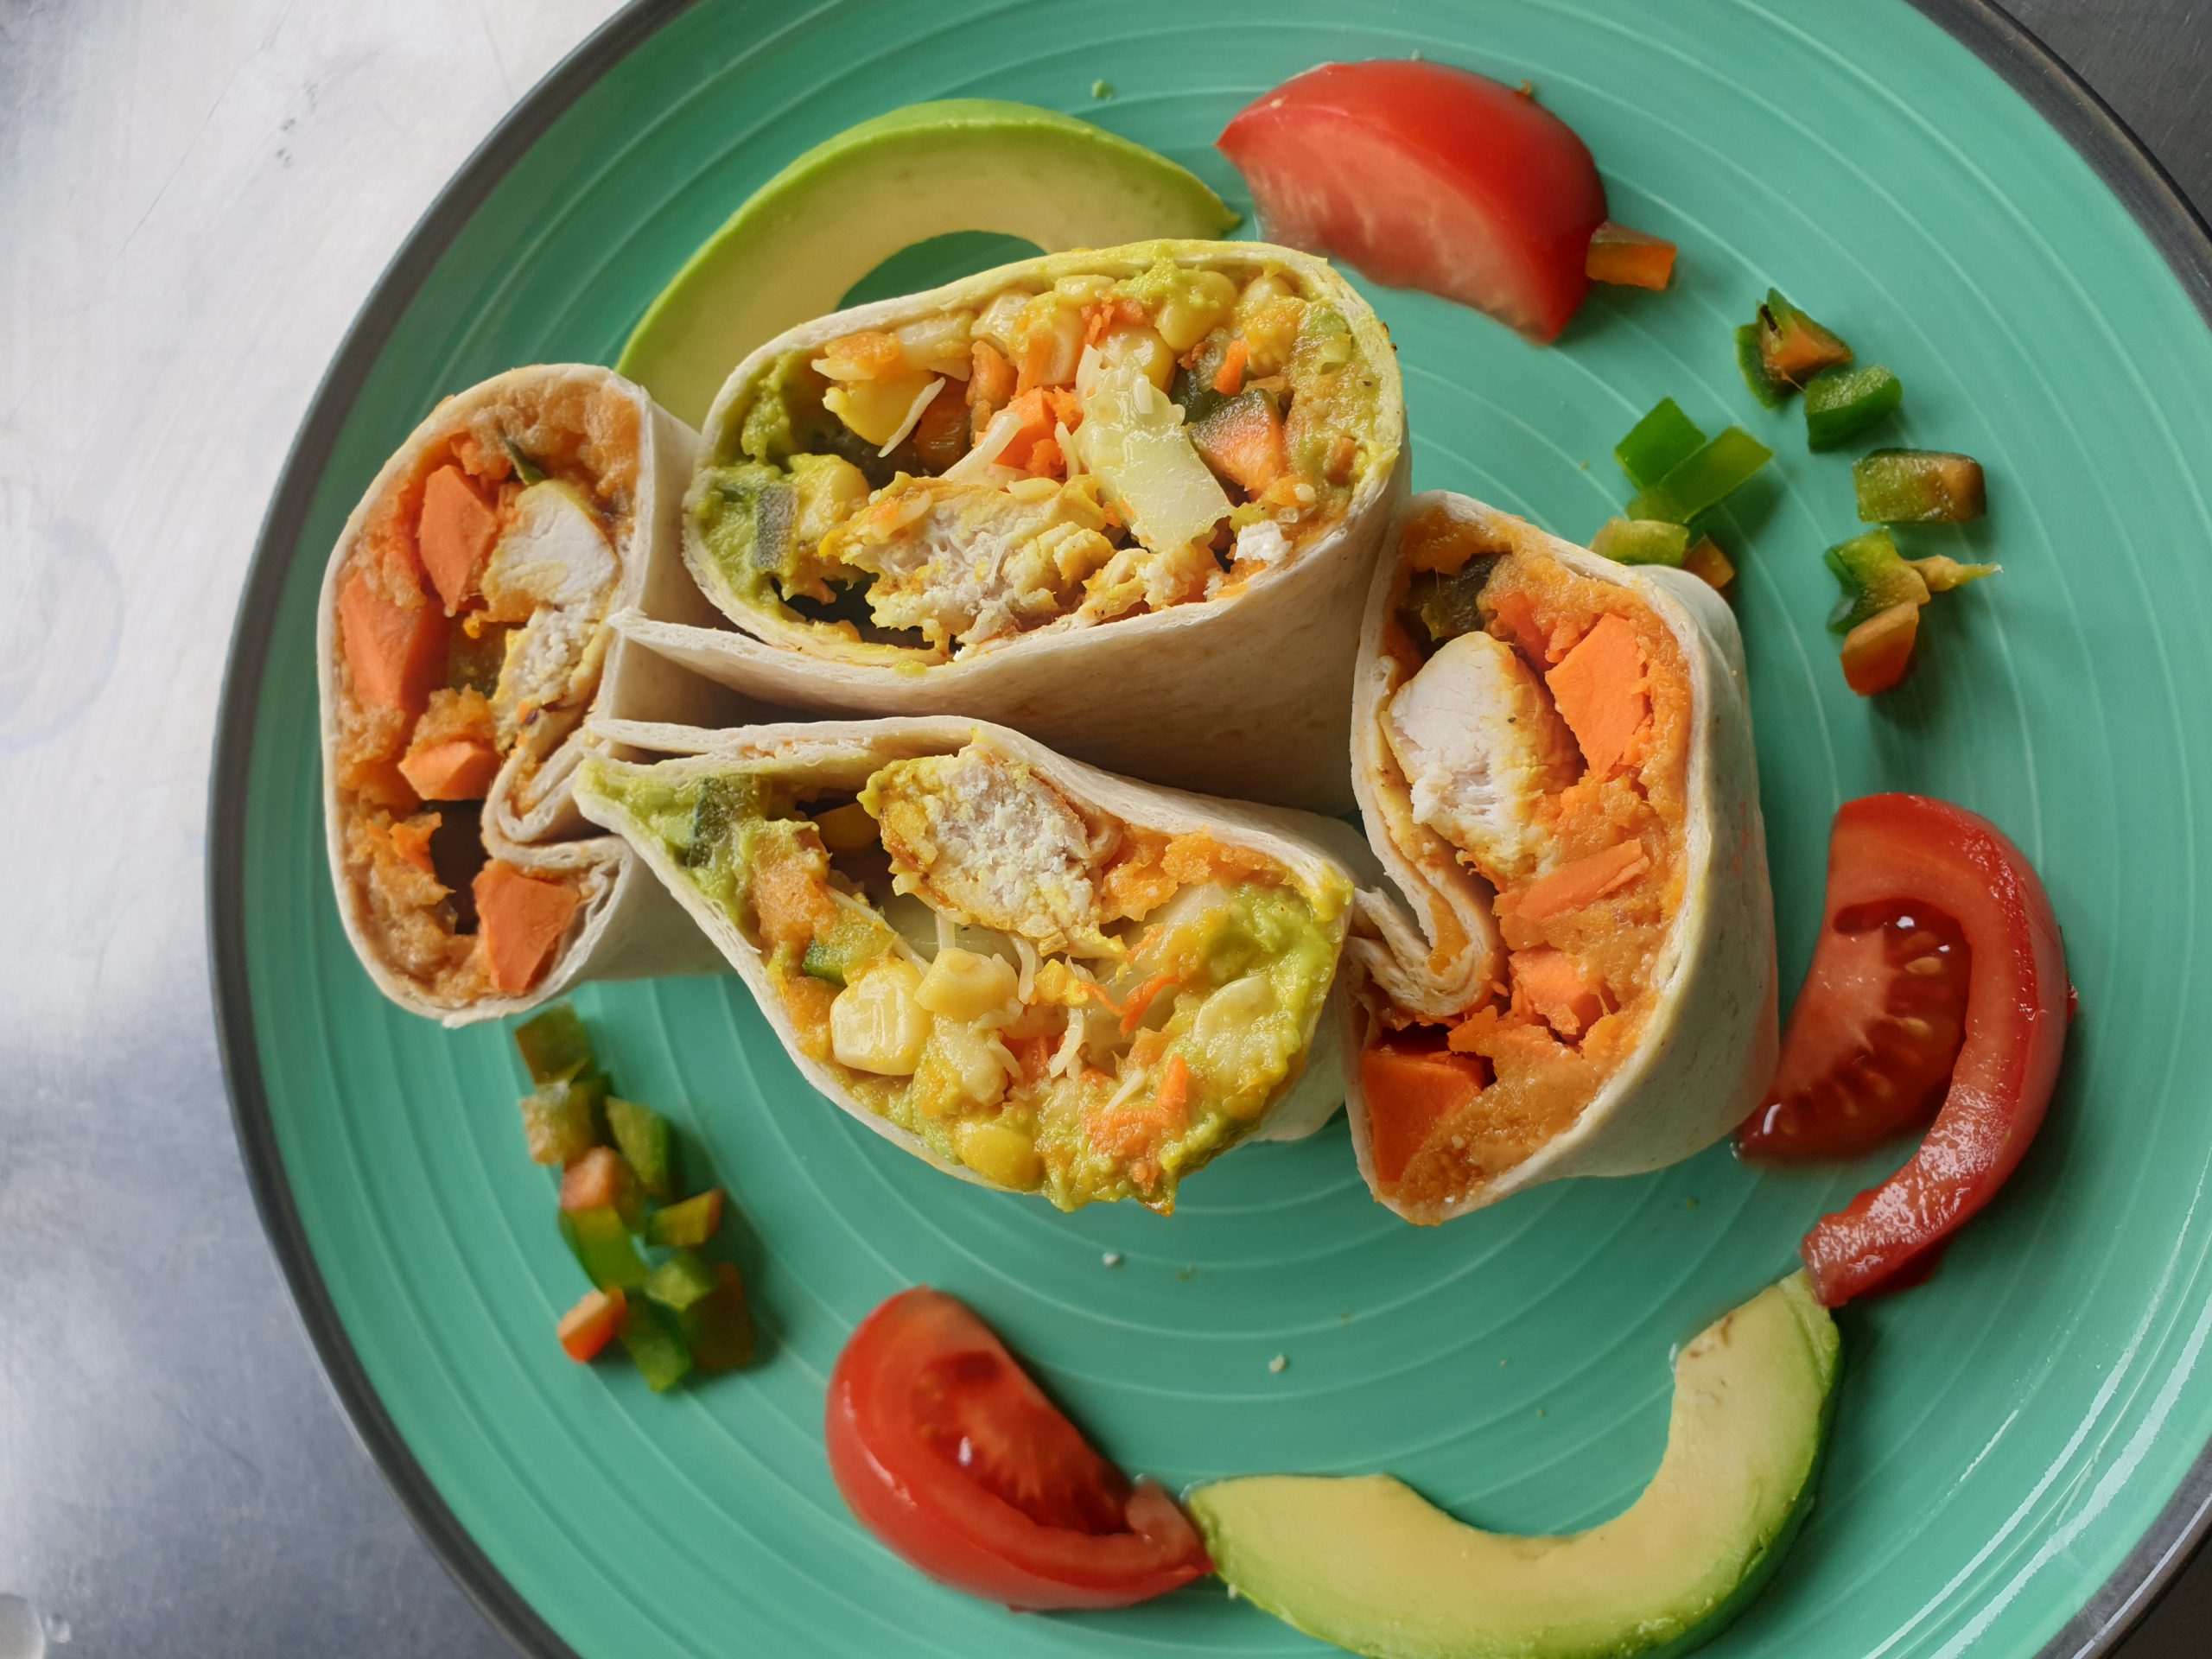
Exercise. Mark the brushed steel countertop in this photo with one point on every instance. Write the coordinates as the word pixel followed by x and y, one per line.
pixel 194 199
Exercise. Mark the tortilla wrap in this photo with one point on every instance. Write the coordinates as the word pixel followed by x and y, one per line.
pixel 626 461
pixel 1243 691
pixel 1314 864
pixel 1681 1060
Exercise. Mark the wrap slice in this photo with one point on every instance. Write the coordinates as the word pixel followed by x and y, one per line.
pixel 1125 499
pixel 1554 756
pixel 463 640
pixel 1028 972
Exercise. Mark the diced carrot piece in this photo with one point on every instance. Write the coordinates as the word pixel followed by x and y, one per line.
pixel 1229 378
pixel 456 535
pixel 1409 1093
pixel 871 354
pixel 410 839
pixel 1599 689
pixel 1243 439
pixel 1342 454
pixel 1032 1054
pixel 459 769
pixel 789 905
pixel 1066 407
pixel 1175 1089
pixel 1583 883
pixel 1035 414
pixel 397 653
pixel 598 1181
pixel 1709 564
pixel 1635 258
pixel 587 1328
pixel 1553 984
pixel 1045 460
pixel 520 918
pixel 1878 654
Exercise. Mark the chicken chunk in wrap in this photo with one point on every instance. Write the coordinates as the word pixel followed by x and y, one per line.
pixel 1028 972
pixel 1553 755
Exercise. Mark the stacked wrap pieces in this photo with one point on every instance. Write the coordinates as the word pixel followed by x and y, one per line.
pixel 1554 756
pixel 462 643
pixel 1028 972
pixel 989 500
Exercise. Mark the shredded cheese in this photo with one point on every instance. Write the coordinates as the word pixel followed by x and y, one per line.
pixel 947 935
pixel 971 468
pixel 922 401
pixel 1069 1055
pixel 1025 985
pixel 1129 1086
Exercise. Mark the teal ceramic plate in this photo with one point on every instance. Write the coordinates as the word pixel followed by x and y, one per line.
pixel 2012 1467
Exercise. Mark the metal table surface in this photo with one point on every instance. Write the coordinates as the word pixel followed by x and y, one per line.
pixel 193 200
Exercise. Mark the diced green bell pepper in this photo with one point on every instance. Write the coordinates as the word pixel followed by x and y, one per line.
pixel 718 1327
pixel 1447 607
pixel 601 1242
pixel 681 1280
pixel 474 661
pixel 655 1346
pixel 824 962
pixel 1769 392
pixel 689 1225
pixel 1843 402
pixel 525 469
pixel 1193 387
pixel 1702 481
pixel 643 1136
pixel 555 1044
pixel 723 802
pixel 1640 541
pixel 1918 486
pixel 1793 347
pixel 561 1120
pixel 1658 443
pixel 1874 575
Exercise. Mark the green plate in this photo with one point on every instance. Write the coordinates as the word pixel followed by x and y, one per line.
pixel 2016 1442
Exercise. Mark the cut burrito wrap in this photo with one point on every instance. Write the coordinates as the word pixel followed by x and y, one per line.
pixel 463 641
pixel 1028 972
pixel 1124 499
pixel 1554 756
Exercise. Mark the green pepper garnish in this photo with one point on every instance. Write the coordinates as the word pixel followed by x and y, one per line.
pixel 601 1242
pixel 1703 481
pixel 561 1120
pixel 1841 403
pixel 1793 347
pixel 555 1046
pixel 655 1346
pixel 1768 391
pixel 689 1225
pixel 680 1280
pixel 646 1144
pixel 718 1327
pixel 1447 605
pixel 525 469
pixel 1658 443
pixel 1640 541
pixel 1919 487
pixel 824 962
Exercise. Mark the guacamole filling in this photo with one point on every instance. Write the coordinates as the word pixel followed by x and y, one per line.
pixel 1061 1002
pixel 471 631
pixel 1538 737
pixel 1077 449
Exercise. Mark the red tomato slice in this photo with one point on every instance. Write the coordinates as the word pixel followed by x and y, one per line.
pixel 953 1458
pixel 1430 177
pixel 1891 850
pixel 1872 1037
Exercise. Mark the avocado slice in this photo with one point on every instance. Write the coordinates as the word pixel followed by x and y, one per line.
pixel 1366 1563
pixel 808 235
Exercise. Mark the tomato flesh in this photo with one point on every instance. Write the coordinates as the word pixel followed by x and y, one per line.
pixel 1942 859
pixel 1427 177
pixel 948 1451
pixel 1872 1038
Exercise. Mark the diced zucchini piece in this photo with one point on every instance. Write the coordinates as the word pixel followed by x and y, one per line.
pixel 1658 443
pixel 718 1327
pixel 643 1136
pixel 1640 541
pixel 1703 481
pixel 1841 403
pixel 555 1044
pixel 655 1343
pixel 680 1280
pixel 1918 486
pixel 689 1225
pixel 1772 392
pixel 1447 607
pixel 601 1242
pixel 561 1120
pixel 825 962
pixel 1793 346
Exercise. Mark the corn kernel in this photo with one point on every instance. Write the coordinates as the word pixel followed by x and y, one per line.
pixel 1142 346
pixel 937 345
pixel 876 409
pixel 875 1024
pixel 1189 315
pixel 965 1058
pixel 1001 1154
pixel 962 985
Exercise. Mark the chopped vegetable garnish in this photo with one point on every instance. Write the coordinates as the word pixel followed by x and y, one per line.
pixel 656 1346
pixel 1841 403
pixel 1792 347
pixel 602 1179
pixel 601 1242
pixel 680 1280
pixel 1632 258
pixel 1941 574
pixel 1640 541
pixel 1447 605
pixel 642 1134
pixel 554 1044
pixel 718 1327
pixel 1703 480
pixel 1709 564
pixel 525 469
pixel 1658 443
pixel 562 1120
pixel 1878 654
pixel 1918 486
pixel 689 1225
pixel 593 1323
pixel 1768 391
pixel 1874 575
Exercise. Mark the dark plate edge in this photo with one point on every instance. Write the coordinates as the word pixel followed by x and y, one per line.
pixel 2031 69
pixel 281 529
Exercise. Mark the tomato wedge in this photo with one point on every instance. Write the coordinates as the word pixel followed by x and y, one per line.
pixel 1893 856
pixel 956 1460
pixel 1427 177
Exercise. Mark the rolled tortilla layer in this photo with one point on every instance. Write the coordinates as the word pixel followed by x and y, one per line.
pixel 463 642
pixel 1554 756
pixel 1030 972
pixel 1189 621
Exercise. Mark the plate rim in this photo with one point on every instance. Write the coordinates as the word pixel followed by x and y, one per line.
pixel 2056 92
